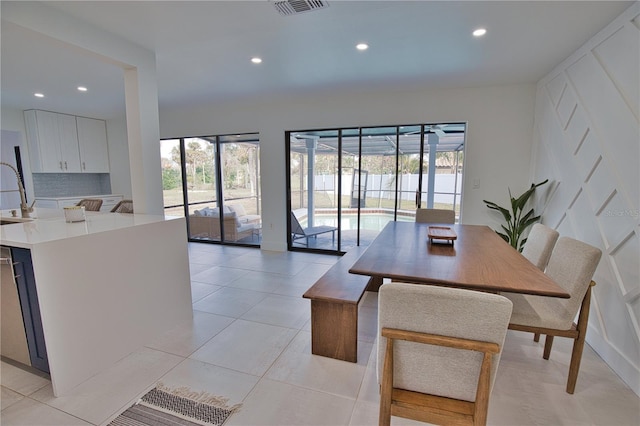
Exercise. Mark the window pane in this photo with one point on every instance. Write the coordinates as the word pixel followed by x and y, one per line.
pixel 377 174
pixel 202 199
pixel 241 186
pixel 172 177
pixel 314 189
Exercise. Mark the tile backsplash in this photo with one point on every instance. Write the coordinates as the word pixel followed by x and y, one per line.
pixel 71 184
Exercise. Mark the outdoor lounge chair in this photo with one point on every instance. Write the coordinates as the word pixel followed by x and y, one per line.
pixel 297 231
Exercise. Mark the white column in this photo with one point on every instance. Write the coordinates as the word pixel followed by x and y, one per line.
pixel 311 160
pixel 433 148
pixel 141 99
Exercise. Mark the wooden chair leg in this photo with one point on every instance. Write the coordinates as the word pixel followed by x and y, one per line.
pixel 548 342
pixel 481 406
pixel 578 345
pixel 536 337
pixel 574 366
pixel 386 389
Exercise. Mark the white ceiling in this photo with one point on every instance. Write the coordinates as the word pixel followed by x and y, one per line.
pixel 203 49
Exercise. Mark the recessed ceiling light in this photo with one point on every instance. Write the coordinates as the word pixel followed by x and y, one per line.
pixel 362 46
pixel 82 89
pixel 479 32
pixel 256 60
pixel 38 95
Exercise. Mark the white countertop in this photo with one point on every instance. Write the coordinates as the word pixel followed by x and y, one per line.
pixel 49 225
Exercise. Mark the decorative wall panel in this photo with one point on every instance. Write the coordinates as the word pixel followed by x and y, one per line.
pixel 587 142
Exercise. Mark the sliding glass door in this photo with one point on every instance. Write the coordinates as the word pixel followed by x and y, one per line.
pixel 214 181
pixel 356 180
pixel 240 189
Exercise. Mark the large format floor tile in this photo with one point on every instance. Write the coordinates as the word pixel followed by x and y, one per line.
pixel 103 395
pixel 8 397
pixel 246 346
pixel 202 377
pixel 281 404
pixel 28 412
pixel 19 380
pixel 201 290
pixel 259 281
pixel 290 312
pixel 230 302
pixel 267 262
pixel 218 275
pixel 299 367
pixel 186 338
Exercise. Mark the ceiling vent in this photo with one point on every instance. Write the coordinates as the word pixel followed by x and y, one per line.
pixel 293 7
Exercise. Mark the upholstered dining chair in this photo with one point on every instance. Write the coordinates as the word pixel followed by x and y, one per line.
pixel 123 206
pixel 572 265
pixel 438 352
pixel 538 248
pixel 91 204
pixel 435 216
pixel 539 245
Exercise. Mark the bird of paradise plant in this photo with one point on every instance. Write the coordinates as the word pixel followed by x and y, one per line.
pixel 516 220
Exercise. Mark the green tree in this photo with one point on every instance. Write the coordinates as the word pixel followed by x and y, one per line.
pixel 196 159
pixel 170 178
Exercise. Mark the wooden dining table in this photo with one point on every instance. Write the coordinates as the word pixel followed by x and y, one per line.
pixel 477 259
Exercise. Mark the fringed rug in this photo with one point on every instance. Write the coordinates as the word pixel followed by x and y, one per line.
pixel 179 406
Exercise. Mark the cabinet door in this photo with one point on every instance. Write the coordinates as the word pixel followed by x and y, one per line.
pixel 68 202
pixel 46 204
pixel 44 142
pixel 68 133
pixel 92 140
pixel 53 142
pixel 26 282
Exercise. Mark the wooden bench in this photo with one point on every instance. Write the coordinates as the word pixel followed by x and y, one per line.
pixel 334 309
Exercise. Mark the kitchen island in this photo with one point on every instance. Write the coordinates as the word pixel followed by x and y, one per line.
pixel 105 286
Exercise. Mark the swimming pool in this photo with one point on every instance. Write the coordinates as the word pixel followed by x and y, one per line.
pixel 349 221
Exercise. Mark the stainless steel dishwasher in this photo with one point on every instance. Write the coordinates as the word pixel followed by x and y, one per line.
pixel 13 343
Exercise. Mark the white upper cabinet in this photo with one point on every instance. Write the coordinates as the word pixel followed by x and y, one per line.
pixel 92 140
pixel 62 143
pixel 53 142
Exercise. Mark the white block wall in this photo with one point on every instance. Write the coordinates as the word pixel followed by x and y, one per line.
pixel 587 142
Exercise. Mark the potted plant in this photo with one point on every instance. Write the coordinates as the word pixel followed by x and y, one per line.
pixel 517 220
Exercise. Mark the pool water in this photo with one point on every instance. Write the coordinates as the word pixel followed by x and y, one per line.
pixel 348 222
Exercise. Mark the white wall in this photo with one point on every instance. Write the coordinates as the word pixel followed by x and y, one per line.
pixel 587 140
pixel 13 119
pixel 500 126
pixel 120 172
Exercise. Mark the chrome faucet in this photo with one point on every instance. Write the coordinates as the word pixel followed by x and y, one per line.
pixel 24 208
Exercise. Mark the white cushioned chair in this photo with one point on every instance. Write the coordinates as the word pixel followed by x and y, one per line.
pixel 539 245
pixel 572 265
pixel 435 216
pixel 438 352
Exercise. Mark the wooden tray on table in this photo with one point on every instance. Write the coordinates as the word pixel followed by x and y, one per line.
pixel 443 234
